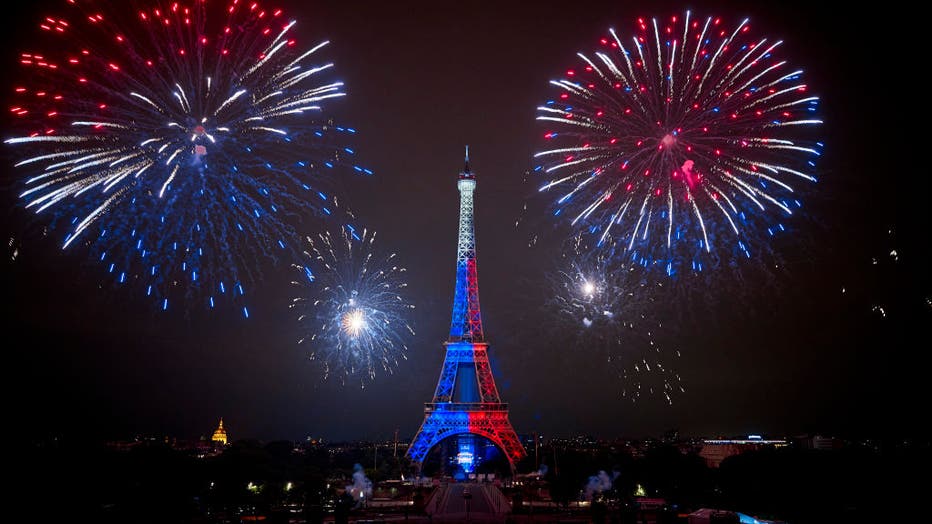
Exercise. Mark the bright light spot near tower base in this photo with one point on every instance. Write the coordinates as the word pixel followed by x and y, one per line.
pixel 353 322
pixel 466 456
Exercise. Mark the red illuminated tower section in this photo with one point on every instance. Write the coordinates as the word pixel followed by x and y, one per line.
pixel 466 401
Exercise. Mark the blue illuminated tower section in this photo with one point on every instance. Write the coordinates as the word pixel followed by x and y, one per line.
pixel 466 402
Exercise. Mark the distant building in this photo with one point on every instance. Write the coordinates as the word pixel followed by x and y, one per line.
pixel 220 434
pixel 714 451
pixel 819 442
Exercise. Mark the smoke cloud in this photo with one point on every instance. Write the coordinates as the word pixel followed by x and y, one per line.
pixel 599 483
pixel 361 488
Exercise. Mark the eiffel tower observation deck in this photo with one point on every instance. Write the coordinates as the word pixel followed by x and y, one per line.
pixel 466 402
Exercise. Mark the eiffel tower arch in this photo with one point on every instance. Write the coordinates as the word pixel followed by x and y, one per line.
pixel 466 401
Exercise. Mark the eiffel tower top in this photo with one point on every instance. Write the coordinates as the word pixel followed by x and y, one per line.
pixel 466 325
pixel 466 172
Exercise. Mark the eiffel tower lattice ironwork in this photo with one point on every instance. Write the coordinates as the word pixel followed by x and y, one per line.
pixel 466 400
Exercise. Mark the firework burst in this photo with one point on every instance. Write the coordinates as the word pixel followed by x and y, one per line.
pixel 177 142
pixel 609 307
pixel 680 145
pixel 352 306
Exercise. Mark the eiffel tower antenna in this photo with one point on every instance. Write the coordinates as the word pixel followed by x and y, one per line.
pixel 466 402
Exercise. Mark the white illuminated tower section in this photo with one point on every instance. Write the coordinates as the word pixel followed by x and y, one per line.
pixel 466 402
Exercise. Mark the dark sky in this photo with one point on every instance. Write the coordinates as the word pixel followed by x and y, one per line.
pixel 425 78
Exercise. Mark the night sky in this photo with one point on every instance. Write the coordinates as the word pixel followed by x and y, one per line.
pixel 422 80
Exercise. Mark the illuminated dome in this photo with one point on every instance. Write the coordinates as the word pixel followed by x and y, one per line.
pixel 220 435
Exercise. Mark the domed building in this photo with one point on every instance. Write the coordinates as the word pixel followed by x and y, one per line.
pixel 220 434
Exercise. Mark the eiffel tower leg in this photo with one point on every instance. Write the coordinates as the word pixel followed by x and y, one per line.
pixel 423 441
pixel 491 424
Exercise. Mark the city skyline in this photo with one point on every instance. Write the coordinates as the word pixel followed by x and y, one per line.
pixel 822 347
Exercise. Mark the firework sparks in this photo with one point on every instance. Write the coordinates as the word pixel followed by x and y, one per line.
pixel 608 307
pixel 176 142
pixel 352 307
pixel 681 144
pixel 354 321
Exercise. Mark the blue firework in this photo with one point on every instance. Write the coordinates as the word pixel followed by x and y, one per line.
pixel 178 145
pixel 352 307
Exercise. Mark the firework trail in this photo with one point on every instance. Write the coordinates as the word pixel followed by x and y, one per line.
pixel 177 143
pixel 351 306
pixel 681 145
pixel 610 308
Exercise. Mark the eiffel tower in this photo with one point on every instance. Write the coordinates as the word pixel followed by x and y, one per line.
pixel 466 401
